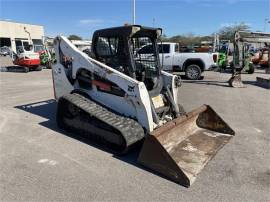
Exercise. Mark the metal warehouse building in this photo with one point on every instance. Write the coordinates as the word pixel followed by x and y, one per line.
pixel 11 34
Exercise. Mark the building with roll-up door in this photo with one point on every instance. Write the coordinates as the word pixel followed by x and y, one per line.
pixel 12 34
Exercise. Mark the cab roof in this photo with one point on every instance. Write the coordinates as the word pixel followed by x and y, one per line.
pixel 128 31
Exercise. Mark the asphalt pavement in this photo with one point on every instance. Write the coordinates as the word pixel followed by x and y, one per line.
pixel 38 162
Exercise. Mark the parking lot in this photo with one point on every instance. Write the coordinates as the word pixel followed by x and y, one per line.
pixel 41 163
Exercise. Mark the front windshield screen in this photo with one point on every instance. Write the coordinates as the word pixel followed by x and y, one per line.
pixel 27 46
pixel 145 56
pixel 38 48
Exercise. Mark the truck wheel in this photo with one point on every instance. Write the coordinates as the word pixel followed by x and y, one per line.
pixel 224 65
pixel 251 69
pixel 26 69
pixel 48 65
pixel 193 72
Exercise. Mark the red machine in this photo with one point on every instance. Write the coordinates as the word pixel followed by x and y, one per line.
pixel 26 57
pixel 261 57
pixel 264 62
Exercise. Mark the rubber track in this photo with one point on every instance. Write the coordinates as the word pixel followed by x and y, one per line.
pixel 130 130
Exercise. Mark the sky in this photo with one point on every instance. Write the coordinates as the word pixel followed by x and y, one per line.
pixel 83 17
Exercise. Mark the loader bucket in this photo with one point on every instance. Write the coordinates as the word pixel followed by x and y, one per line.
pixel 181 148
pixel 236 82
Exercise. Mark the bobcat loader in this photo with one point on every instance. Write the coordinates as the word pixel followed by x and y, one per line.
pixel 118 98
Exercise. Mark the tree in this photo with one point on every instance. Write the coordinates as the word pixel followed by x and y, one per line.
pixel 74 37
pixel 186 39
pixel 227 32
pixel 164 37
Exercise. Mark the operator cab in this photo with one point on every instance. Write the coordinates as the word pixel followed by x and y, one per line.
pixel 120 47
pixel 23 46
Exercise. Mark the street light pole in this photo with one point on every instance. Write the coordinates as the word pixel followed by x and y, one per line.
pixel 265 23
pixel 134 12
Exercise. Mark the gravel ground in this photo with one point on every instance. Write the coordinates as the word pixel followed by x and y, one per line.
pixel 40 163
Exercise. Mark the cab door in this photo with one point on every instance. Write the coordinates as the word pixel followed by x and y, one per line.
pixel 166 56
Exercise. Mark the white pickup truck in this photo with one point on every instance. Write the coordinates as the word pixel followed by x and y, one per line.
pixel 193 64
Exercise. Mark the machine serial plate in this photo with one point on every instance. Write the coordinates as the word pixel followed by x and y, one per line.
pixel 158 101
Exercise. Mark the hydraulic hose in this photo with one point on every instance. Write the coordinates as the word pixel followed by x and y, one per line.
pixel 174 105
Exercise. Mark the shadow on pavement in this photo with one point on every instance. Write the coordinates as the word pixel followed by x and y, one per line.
pixel 222 71
pixel 213 83
pixel 225 84
pixel 183 77
pixel 255 83
pixel 18 69
pixel 13 68
pixel 47 110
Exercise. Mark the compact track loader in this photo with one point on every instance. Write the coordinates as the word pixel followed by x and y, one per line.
pixel 118 97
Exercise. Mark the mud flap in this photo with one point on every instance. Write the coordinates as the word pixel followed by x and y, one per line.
pixel 180 149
